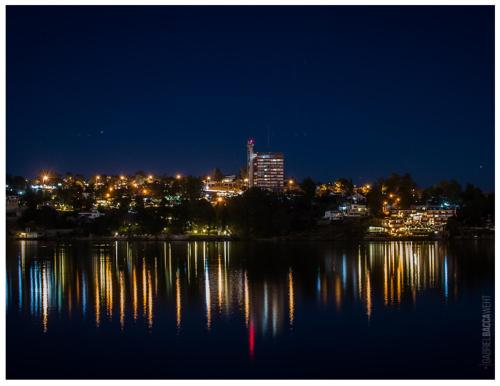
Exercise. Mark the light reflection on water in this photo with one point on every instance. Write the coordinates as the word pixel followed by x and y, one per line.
pixel 161 287
pixel 121 281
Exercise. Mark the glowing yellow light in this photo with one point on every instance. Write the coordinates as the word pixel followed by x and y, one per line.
pixel 97 177
pixel 108 195
pixel 291 182
pixel 208 178
pixel 45 178
pixel 135 185
pixel 391 195
pixel 144 191
pixel 150 177
pixel 291 299
pixel 122 177
pixel 111 189
pixel 385 202
pixel 178 176
pixel 246 180
pixel 220 199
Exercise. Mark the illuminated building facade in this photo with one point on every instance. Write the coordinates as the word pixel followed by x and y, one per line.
pixel 265 170
pixel 419 220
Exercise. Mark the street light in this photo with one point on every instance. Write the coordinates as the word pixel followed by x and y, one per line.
pixel 178 176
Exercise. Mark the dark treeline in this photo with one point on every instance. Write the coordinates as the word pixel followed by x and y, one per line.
pixel 255 213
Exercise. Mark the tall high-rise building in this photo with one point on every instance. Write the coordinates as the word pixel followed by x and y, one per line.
pixel 265 170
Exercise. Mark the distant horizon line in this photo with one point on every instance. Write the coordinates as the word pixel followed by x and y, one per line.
pixel 318 181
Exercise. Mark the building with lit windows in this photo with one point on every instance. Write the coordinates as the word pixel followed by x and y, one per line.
pixel 265 170
pixel 419 220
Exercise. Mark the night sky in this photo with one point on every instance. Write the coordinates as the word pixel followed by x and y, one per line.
pixel 343 91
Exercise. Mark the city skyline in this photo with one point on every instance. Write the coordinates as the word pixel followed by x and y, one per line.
pixel 250 192
pixel 341 91
pixel 283 180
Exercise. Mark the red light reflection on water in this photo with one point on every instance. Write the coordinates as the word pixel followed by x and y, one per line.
pixel 251 340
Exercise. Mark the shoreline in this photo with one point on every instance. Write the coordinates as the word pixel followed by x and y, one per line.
pixel 188 238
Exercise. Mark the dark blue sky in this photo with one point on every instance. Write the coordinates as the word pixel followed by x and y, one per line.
pixel 343 91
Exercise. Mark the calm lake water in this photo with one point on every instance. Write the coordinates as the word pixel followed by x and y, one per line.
pixel 248 310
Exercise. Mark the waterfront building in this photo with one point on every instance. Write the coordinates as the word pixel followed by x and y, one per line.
pixel 265 170
pixel 228 186
pixel 349 210
pixel 333 215
pixel 12 205
pixel 418 220
pixel 91 215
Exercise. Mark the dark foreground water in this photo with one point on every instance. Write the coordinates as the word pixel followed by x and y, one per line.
pixel 249 310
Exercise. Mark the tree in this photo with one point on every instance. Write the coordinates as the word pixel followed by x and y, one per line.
pixel 192 187
pixel 402 186
pixel 346 185
pixel 149 220
pixel 243 173
pixel 375 198
pixel 16 182
pixel 218 175
pixel 308 186
pixel 444 191
pixel 251 213
pixel 476 207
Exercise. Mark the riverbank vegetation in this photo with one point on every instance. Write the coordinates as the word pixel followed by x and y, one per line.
pixel 255 213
